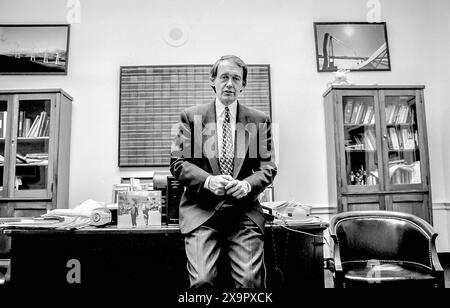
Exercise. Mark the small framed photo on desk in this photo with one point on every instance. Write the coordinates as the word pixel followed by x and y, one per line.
pixel 267 195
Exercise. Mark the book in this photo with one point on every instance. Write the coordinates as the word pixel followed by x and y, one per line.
pixel 139 209
pixel 21 123
pixel 3 123
pixel 32 132
pixel 368 115
pixel 348 111
pixel 20 158
pixel 42 122
pixel 26 127
pixel 356 106
pixel 174 192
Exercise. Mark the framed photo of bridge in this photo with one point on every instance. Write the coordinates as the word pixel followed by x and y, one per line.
pixel 354 46
pixel 34 49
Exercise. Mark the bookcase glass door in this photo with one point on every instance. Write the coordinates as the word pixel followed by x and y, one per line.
pixel 3 134
pixel 360 143
pixel 32 133
pixel 402 140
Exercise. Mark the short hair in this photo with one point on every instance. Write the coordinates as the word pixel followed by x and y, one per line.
pixel 238 61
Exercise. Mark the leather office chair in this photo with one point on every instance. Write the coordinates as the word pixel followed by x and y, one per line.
pixel 384 249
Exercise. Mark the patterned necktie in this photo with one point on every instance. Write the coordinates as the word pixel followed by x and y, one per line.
pixel 226 159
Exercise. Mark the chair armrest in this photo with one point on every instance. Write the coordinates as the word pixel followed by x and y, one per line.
pixel 337 263
pixel 436 264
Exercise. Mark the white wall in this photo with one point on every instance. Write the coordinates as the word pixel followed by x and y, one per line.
pixel 280 33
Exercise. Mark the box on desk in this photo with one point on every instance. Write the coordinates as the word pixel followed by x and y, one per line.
pixel 139 209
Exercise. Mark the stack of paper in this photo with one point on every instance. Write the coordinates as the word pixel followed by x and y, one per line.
pixel 88 213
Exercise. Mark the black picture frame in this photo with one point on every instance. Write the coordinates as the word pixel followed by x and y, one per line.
pixel 34 49
pixel 354 46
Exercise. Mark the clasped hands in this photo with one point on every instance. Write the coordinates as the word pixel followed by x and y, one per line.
pixel 221 185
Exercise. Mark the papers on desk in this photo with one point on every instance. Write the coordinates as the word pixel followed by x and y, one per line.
pixel 290 213
pixel 88 213
pixel 311 220
pixel 45 223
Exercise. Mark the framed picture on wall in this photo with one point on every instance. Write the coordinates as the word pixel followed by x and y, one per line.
pixel 34 49
pixel 355 46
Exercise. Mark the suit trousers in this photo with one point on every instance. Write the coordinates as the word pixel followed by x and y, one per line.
pixel 229 231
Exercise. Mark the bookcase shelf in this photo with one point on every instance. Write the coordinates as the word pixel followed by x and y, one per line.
pixel 388 168
pixel 360 151
pixel 32 138
pixel 34 151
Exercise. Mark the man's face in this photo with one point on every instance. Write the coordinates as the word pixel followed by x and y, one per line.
pixel 228 82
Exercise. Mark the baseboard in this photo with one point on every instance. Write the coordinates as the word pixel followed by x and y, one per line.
pixel 444 258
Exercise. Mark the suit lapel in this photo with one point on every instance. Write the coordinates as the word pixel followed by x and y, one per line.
pixel 209 133
pixel 240 139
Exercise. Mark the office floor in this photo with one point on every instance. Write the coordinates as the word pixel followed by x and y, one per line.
pixel 327 275
pixel 329 278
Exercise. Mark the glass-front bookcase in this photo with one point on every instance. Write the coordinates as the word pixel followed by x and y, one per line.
pixel 31 135
pixel 377 149
pixel 35 130
pixel 5 105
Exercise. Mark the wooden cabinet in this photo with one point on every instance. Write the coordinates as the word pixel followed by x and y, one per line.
pixel 34 152
pixel 377 149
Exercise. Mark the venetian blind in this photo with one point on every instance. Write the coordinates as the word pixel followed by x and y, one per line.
pixel 152 97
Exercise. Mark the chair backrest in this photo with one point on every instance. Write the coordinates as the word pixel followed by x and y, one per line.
pixel 382 235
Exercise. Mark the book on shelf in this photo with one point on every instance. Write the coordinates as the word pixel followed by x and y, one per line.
pixel 139 209
pixel 46 130
pixel 356 106
pixel 370 142
pixel 26 128
pixel 348 111
pixel 393 138
pixel 359 113
pixel 3 123
pixel 21 121
pixel 32 132
pixel 368 115
pixel 20 158
pixel 42 122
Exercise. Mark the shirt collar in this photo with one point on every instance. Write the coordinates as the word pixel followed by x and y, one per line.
pixel 220 108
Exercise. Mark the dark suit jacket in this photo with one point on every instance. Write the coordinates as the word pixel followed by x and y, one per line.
pixel 194 157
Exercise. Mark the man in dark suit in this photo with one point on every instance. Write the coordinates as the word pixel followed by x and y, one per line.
pixel 223 154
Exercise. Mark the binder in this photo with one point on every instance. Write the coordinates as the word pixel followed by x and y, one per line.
pixel 174 192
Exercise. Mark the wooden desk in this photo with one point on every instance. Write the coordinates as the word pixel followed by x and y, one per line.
pixel 153 258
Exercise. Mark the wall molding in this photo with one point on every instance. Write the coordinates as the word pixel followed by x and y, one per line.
pixel 441 206
pixel 323 210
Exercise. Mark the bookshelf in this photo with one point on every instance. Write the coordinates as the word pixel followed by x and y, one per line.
pixel 377 149
pixel 34 152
